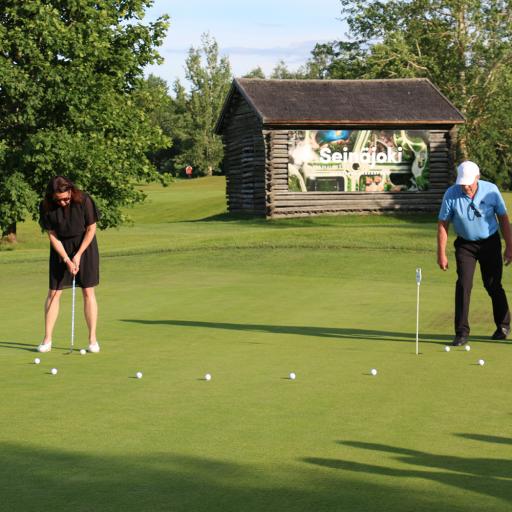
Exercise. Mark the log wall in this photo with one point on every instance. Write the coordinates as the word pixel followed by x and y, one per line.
pixel 282 203
pixel 244 160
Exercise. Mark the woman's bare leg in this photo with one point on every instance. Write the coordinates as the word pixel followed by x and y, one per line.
pixel 51 312
pixel 91 312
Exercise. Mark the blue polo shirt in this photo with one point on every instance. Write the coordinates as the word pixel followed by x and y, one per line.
pixel 459 209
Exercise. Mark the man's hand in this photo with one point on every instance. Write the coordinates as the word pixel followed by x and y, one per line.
pixel 442 237
pixel 507 255
pixel 507 237
pixel 442 261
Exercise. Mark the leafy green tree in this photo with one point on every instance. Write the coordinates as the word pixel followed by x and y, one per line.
pixel 464 47
pixel 69 70
pixel 338 59
pixel 210 77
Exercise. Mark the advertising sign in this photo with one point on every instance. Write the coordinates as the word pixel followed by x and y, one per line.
pixel 358 161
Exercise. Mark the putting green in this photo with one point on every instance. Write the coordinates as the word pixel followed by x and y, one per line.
pixel 188 291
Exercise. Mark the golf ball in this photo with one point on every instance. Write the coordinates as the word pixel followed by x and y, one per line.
pixel 481 362
pixel 292 376
pixel 373 372
pixel 138 375
pixel 54 371
pixel 83 351
pixel 468 348
pixel 37 360
pixel 207 377
pixel 447 348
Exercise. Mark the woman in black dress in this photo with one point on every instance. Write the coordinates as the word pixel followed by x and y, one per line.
pixel 69 216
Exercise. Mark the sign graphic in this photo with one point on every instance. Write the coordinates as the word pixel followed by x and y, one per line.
pixel 358 161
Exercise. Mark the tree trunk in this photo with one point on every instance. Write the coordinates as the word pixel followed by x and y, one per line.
pixel 9 235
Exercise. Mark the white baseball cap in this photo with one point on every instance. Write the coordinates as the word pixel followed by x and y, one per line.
pixel 466 173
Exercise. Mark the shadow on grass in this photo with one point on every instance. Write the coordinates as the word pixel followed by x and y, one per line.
pixel 487 439
pixel 232 217
pixel 486 476
pixel 322 332
pixel 384 220
pixel 38 479
pixel 29 347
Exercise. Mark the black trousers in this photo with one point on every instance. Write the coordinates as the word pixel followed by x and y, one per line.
pixel 488 254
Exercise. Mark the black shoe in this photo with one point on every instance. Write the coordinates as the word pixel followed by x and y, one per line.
pixel 458 341
pixel 501 333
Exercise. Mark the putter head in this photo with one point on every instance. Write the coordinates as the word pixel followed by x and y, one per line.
pixel 418 276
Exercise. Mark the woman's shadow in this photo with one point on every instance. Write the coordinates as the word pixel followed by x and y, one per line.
pixel 16 345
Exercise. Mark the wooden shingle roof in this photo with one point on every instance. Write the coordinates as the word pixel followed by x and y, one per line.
pixel 290 103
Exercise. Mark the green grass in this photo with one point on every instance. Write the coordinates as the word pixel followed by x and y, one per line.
pixel 188 290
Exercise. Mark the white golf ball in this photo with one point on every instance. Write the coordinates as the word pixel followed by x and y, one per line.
pixel 83 351
pixel 481 362
pixel 468 348
pixel 138 375
pixel 447 348
pixel 292 376
pixel 373 372
pixel 37 360
pixel 207 377
pixel 54 371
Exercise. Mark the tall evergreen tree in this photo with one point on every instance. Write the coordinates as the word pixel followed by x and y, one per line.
pixel 210 77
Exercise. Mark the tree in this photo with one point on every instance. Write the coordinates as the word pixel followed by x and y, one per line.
pixel 281 72
pixel 182 127
pixel 210 78
pixel 152 95
pixel 464 47
pixel 255 73
pixel 68 75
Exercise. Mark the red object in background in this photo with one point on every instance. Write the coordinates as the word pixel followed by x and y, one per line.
pixel 188 171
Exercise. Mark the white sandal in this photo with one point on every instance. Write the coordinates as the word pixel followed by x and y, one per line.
pixel 94 348
pixel 44 347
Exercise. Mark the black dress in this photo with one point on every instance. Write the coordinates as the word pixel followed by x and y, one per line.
pixel 69 224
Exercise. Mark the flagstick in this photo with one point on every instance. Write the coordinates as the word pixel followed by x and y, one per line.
pixel 418 282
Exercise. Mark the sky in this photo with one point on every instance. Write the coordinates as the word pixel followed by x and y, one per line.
pixel 251 33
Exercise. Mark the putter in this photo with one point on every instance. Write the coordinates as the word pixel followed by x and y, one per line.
pixel 418 282
pixel 72 317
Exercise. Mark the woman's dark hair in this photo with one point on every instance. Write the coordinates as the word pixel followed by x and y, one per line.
pixel 58 185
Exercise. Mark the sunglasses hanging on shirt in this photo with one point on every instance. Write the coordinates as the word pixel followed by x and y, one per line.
pixel 476 212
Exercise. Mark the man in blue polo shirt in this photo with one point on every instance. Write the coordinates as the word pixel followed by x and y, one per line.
pixel 477 211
